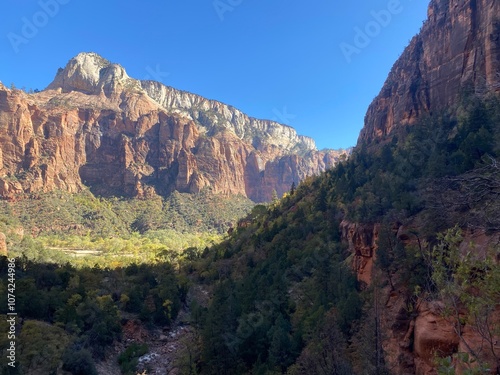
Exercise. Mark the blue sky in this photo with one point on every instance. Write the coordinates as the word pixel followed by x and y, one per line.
pixel 302 63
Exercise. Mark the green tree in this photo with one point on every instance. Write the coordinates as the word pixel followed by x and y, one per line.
pixel 274 196
pixel 471 282
pixel 129 359
pixel 41 347
pixel 280 350
pixel 325 354
pixel 101 323
pixel 78 362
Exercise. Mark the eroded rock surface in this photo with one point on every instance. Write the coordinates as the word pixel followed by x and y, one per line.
pixel 362 240
pixel 96 126
pixel 457 49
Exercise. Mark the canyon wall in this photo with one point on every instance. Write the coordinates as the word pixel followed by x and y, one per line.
pixel 457 51
pixel 95 126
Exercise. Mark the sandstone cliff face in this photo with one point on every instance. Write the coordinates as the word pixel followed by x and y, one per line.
pixel 96 126
pixel 266 136
pixel 411 341
pixel 362 241
pixel 457 48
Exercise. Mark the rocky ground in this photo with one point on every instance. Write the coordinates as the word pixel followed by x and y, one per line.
pixel 170 349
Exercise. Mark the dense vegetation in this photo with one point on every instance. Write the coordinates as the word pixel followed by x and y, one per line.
pixel 84 214
pixel 71 316
pixel 285 300
pixel 391 177
pixel 283 295
pixel 71 305
pixel 59 227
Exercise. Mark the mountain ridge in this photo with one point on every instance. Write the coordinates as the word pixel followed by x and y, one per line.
pixel 387 264
pixel 138 139
pixel 90 73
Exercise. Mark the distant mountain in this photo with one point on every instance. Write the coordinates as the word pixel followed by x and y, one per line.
pixel 456 51
pixel 386 264
pixel 96 126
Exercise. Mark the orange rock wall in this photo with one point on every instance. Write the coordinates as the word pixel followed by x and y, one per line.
pixel 125 144
pixel 457 48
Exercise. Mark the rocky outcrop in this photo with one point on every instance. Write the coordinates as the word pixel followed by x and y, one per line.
pixel 417 332
pixel 95 126
pixel 457 49
pixel 434 336
pixel 91 74
pixel 414 341
pixel 457 52
pixel 362 241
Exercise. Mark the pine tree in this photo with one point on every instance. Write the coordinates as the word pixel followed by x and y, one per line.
pixel 274 196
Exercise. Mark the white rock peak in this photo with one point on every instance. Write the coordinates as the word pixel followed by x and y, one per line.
pixel 91 74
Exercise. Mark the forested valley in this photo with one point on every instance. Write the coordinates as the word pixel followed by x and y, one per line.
pixel 283 293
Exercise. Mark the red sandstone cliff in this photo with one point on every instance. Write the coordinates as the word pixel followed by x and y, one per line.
pixel 96 126
pixel 412 340
pixel 457 49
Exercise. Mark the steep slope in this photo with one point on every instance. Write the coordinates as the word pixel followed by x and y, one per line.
pixel 415 217
pixel 350 274
pixel 457 50
pixel 96 126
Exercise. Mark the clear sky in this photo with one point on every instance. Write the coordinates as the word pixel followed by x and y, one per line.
pixel 303 63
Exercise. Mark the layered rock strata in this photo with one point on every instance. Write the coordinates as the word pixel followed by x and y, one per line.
pixel 456 51
pixel 95 126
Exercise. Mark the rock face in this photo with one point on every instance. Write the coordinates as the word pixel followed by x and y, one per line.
pixel 457 49
pixel 434 335
pixel 362 241
pixel 96 126
pixel 412 341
